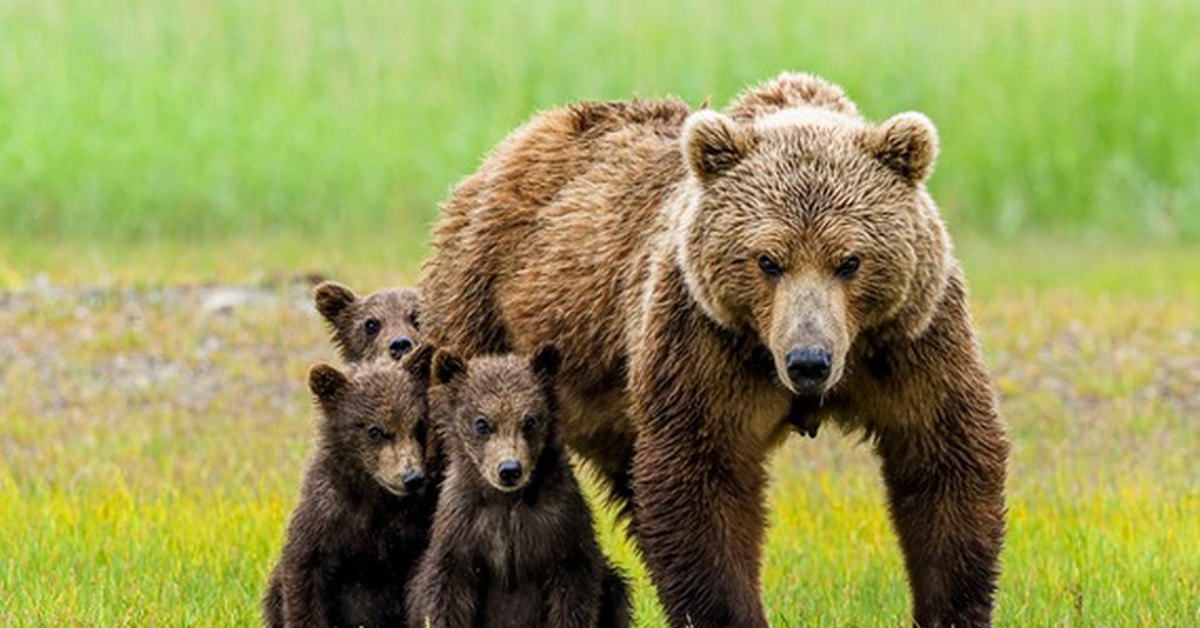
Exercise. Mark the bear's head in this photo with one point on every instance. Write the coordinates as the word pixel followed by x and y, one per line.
pixel 809 226
pixel 365 328
pixel 497 413
pixel 374 421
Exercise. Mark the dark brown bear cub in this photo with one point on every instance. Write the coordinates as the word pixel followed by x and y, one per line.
pixel 367 499
pixel 512 542
pixel 384 323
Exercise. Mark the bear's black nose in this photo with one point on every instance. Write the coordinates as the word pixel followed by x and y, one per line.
pixel 808 365
pixel 399 346
pixel 510 472
pixel 413 480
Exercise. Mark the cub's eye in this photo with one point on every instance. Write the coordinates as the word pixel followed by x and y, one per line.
pixel 372 326
pixel 481 427
pixel 530 425
pixel 848 267
pixel 416 321
pixel 375 433
pixel 769 267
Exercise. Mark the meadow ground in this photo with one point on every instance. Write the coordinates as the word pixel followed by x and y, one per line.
pixel 153 432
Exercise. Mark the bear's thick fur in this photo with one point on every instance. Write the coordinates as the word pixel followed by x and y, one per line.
pixel 716 280
pixel 512 542
pixel 383 323
pixel 367 501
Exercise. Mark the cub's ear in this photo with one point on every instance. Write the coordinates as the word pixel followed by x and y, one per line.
pixel 907 143
pixel 419 361
pixel 713 143
pixel 332 298
pixel 545 361
pixel 447 366
pixel 326 382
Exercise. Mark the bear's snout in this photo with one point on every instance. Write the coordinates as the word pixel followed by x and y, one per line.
pixel 808 367
pixel 509 472
pixel 413 480
pixel 399 346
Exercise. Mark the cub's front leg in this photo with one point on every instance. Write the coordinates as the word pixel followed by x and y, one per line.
pixel 444 591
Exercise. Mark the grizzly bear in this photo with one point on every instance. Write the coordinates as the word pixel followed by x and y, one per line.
pixel 512 542
pixel 384 323
pixel 367 499
pixel 715 281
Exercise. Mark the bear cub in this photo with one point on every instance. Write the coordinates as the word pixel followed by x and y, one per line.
pixel 384 323
pixel 367 499
pixel 512 541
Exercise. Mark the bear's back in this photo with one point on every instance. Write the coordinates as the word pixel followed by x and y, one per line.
pixel 553 228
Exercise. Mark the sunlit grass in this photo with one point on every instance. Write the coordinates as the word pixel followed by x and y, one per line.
pixel 105 553
pixel 152 451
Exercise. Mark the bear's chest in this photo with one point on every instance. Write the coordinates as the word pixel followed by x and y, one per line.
pixel 517 544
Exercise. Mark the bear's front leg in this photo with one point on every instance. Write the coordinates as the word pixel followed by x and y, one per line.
pixel 444 590
pixel 699 521
pixel 304 593
pixel 945 483
pixel 573 593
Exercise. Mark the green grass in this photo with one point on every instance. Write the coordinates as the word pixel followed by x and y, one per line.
pixel 152 450
pixel 129 120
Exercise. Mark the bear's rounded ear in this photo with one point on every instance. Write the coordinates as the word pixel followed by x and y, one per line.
pixel 545 361
pixel 713 143
pixel 326 382
pixel 447 366
pixel 907 143
pixel 419 361
pixel 332 298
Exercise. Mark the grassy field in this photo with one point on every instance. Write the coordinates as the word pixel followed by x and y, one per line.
pixel 124 120
pixel 152 441
pixel 171 174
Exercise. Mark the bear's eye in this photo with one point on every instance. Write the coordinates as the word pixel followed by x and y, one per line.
pixel 769 267
pixel 372 326
pixel 848 267
pixel 416 321
pixel 375 433
pixel 481 427
pixel 530 425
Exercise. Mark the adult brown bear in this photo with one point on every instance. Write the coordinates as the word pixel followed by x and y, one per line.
pixel 716 280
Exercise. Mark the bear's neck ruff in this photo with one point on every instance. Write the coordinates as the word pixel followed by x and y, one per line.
pixel 685 205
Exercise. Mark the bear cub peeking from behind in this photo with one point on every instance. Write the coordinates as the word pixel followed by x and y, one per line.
pixel 512 541
pixel 384 323
pixel 367 499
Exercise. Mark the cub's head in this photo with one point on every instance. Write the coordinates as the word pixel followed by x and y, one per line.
pixel 497 412
pixel 808 225
pixel 375 421
pixel 364 328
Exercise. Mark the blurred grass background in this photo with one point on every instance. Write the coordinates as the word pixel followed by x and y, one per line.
pixel 123 121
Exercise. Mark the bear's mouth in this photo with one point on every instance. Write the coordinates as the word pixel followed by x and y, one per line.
pixel 397 490
pixel 508 488
pixel 810 389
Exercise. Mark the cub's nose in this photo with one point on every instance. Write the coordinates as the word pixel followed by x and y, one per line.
pixel 510 472
pixel 413 480
pixel 399 346
pixel 808 365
